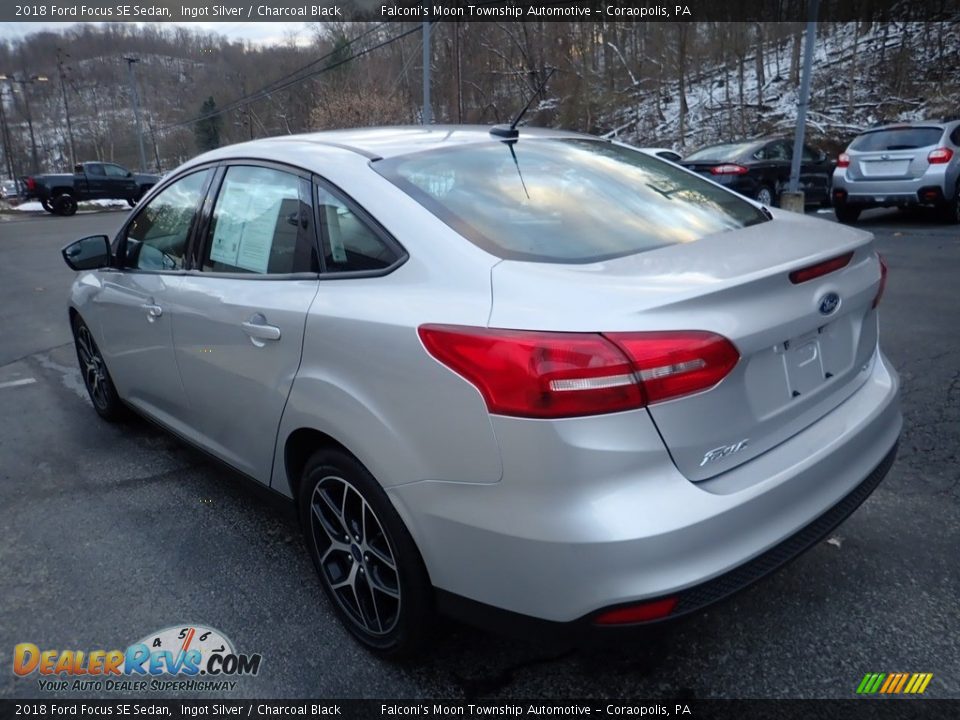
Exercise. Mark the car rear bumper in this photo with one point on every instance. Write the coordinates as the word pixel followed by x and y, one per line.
pixel 567 538
pixel 929 188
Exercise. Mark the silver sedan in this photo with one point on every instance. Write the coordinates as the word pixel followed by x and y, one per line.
pixel 543 381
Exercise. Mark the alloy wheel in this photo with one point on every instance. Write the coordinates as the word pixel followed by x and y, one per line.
pixel 764 196
pixel 355 556
pixel 92 367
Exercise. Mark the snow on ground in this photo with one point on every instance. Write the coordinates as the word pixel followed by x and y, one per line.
pixel 35 206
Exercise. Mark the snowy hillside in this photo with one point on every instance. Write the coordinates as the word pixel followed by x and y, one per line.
pixel 861 76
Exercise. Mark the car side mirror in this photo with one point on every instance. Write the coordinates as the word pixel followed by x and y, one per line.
pixel 88 253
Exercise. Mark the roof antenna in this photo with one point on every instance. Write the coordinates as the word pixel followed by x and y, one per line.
pixel 510 131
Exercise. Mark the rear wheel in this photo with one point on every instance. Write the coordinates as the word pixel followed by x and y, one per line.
pixel 765 195
pixel 96 377
pixel 64 204
pixel 47 205
pixel 847 215
pixel 950 210
pixel 368 564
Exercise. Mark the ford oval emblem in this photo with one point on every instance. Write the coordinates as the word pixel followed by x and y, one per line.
pixel 829 303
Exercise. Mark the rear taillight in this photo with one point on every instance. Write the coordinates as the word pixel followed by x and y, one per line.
pixel 554 375
pixel 940 156
pixel 843 161
pixel 31 184
pixel 883 280
pixel 671 364
pixel 822 268
pixel 728 170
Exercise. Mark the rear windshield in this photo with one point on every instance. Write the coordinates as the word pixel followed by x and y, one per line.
pixel 897 139
pixel 721 152
pixel 565 200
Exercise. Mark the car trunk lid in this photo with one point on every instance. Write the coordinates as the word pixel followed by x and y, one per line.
pixel 892 153
pixel 797 362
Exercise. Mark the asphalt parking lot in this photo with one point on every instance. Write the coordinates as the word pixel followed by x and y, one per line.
pixel 111 532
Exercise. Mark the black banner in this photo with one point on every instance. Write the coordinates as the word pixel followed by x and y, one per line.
pixel 471 10
pixel 859 709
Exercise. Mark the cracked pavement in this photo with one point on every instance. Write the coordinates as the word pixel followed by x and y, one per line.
pixel 113 531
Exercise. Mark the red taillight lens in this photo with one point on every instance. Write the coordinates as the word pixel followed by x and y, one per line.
pixel 814 271
pixel 940 156
pixel 643 612
pixel 31 184
pixel 554 375
pixel 843 161
pixel 728 170
pixel 671 364
pixel 883 280
pixel 537 374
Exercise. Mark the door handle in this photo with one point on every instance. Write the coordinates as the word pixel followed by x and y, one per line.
pixel 261 331
pixel 153 311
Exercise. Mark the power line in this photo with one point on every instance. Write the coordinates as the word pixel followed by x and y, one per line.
pixel 275 87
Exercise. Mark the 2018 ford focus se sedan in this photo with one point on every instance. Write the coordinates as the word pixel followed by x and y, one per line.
pixel 546 378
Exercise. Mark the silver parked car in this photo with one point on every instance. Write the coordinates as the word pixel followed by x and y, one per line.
pixel 900 166
pixel 542 378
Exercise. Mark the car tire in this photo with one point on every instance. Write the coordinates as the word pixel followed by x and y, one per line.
pixel 96 377
pixel 64 204
pixel 950 210
pixel 47 205
pixel 765 195
pixel 369 566
pixel 847 215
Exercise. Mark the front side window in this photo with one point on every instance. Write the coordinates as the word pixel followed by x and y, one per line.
pixel 349 244
pixel 261 224
pixel 157 237
pixel 565 200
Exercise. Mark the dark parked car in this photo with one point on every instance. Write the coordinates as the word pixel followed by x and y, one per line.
pixel 760 169
pixel 59 194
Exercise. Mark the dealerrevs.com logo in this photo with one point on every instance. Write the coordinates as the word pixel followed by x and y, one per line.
pixel 179 659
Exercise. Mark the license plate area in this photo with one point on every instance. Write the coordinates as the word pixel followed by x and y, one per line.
pixel 804 364
pixel 885 168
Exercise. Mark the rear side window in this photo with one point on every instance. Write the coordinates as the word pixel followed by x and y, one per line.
pixel 349 243
pixel 261 224
pixel 955 135
pixel 907 138
pixel 566 200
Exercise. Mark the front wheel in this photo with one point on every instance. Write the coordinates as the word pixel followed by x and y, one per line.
pixel 96 377
pixel 368 564
pixel 847 215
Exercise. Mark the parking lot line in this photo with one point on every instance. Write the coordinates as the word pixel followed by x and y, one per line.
pixel 15 383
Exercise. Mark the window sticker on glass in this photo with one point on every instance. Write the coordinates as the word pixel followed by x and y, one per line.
pixel 251 213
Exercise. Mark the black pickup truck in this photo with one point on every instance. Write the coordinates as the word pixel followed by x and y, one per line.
pixel 59 194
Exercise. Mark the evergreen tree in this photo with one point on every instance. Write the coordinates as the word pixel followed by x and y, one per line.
pixel 207 130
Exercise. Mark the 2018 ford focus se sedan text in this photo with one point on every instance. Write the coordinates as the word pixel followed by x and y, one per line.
pixel 547 377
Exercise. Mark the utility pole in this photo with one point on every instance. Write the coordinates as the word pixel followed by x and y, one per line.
pixel 136 111
pixel 66 106
pixel 427 116
pixel 7 144
pixel 804 100
pixel 26 102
